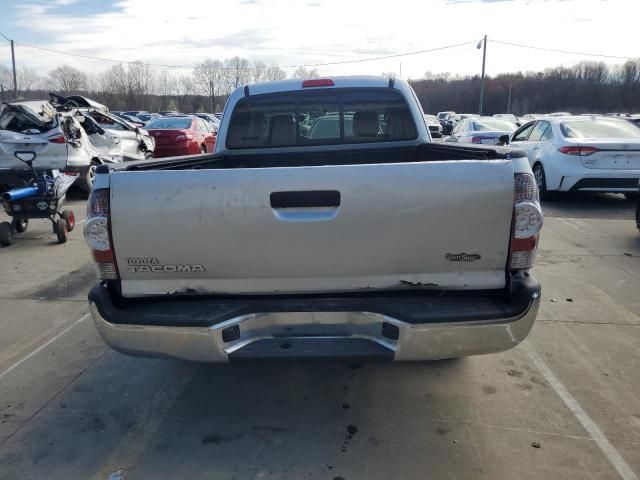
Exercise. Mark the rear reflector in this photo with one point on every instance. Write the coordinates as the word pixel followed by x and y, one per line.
pixel 522 260
pixel 578 150
pixel 318 82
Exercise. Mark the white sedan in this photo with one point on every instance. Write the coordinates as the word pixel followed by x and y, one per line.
pixel 600 154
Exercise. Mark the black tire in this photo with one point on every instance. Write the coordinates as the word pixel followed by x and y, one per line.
pixel 6 234
pixel 541 180
pixel 20 224
pixel 148 155
pixel 70 218
pixel 89 177
pixel 62 230
pixel 203 150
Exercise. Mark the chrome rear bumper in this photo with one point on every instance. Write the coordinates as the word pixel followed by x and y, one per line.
pixel 314 334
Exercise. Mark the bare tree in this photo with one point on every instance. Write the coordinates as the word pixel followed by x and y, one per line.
pixel 27 78
pixel 94 82
pixel 209 77
pixel 237 72
pixel 183 87
pixel 259 72
pixel 67 79
pixel 139 83
pixel 165 86
pixel 274 72
pixel 302 72
pixel 629 72
pixel 6 81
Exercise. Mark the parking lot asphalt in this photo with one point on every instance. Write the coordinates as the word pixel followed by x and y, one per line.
pixel 563 405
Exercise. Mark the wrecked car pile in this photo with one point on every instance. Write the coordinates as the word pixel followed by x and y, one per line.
pixel 72 134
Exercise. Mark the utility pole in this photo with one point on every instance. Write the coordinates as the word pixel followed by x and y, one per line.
pixel 13 62
pixel 484 59
pixel 400 70
pixel 509 99
pixel 15 78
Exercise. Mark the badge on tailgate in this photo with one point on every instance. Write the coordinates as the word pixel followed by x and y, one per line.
pixel 462 257
pixel 152 264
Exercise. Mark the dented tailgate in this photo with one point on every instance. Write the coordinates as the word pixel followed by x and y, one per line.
pixel 313 229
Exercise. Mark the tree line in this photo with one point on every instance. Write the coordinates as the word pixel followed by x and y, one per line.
pixel 138 86
pixel 587 87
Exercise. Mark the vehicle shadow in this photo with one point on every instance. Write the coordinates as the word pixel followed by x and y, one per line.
pixel 589 205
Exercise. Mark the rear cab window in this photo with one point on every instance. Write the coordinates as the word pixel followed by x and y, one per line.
pixel 320 117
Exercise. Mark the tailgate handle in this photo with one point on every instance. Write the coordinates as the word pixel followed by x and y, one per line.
pixel 305 199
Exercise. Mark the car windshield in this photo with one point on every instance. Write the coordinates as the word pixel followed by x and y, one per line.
pixel 599 128
pixel 493 124
pixel 174 123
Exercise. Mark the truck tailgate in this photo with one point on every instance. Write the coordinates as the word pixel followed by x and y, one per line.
pixel 437 224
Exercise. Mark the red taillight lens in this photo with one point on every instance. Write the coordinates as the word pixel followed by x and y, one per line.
pixel 318 82
pixel 586 151
pixel 184 137
pixel 527 222
pixel 577 150
pixel 479 140
pixel 97 234
pixel 57 139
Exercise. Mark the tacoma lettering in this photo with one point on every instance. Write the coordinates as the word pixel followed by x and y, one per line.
pixel 165 268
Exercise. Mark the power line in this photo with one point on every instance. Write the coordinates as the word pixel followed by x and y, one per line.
pixel 102 59
pixel 617 57
pixel 6 38
pixel 369 59
pixel 384 57
pixel 323 64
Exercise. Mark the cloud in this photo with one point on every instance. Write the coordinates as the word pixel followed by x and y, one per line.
pixel 317 31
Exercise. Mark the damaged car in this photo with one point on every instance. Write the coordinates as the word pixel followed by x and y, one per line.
pixel 74 134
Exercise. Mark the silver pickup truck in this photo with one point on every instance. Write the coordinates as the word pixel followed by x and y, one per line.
pixel 327 224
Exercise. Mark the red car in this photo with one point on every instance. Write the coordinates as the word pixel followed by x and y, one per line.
pixel 176 136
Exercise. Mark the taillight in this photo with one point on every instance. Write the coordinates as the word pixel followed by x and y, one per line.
pixel 184 137
pixel 578 150
pixel 479 140
pixel 57 139
pixel 97 234
pixel 527 222
pixel 318 82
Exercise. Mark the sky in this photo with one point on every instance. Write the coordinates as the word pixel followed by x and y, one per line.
pixel 290 33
